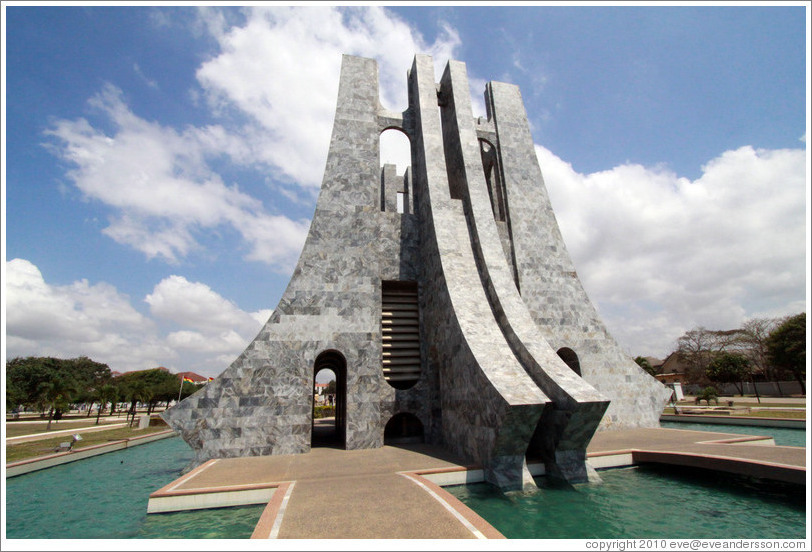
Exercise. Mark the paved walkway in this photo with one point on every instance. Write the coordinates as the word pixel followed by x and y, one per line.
pixel 387 492
pixel 733 453
pixel 355 494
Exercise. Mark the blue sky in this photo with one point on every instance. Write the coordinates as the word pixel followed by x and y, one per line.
pixel 162 163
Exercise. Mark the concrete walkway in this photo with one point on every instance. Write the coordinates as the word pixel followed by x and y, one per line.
pixel 342 494
pixel 394 492
pixel 733 453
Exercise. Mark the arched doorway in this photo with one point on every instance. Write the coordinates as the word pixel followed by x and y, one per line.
pixel 568 355
pixel 403 428
pixel 330 431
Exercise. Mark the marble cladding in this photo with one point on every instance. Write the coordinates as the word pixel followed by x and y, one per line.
pixel 497 298
pixel 262 403
pixel 549 283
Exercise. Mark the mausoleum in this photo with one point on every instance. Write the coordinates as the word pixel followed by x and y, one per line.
pixel 443 299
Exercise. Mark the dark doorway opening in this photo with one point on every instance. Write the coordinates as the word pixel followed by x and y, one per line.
pixel 331 429
pixel 568 355
pixel 403 428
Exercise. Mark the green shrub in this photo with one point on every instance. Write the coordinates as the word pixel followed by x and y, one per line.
pixel 324 411
pixel 708 394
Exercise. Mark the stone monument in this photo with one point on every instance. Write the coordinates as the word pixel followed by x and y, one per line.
pixel 444 300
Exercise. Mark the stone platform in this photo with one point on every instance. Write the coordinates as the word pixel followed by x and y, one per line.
pixel 396 492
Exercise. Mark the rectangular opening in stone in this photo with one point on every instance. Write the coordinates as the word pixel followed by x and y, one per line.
pixel 400 333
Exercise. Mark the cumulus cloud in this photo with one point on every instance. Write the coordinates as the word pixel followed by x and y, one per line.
pixel 272 86
pixel 160 185
pixel 196 306
pixel 191 328
pixel 281 68
pixel 76 319
pixel 657 252
pixel 208 331
pixel 660 254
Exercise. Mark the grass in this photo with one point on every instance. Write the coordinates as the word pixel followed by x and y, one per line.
pixel 746 401
pixel 797 415
pixel 785 414
pixel 44 447
pixel 15 429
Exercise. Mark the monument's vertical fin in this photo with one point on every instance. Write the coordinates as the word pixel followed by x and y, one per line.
pixel 547 279
pixel 490 406
pixel 569 423
pixel 262 404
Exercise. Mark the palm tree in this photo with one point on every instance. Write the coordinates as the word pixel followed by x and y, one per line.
pixel 55 393
pixel 106 393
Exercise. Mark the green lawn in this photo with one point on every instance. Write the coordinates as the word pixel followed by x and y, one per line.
pixel 44 447
pixel 15 429
pixel 746 401
pixel 789 414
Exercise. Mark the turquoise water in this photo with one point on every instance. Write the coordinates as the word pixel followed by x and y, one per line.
pixel 787 437
pixel 105 497
pixel 644 502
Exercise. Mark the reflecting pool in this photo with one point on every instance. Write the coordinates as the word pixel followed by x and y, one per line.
pixel 105 497
pixel 644 502
pixel 782 436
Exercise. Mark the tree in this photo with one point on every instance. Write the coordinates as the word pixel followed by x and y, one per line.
pixel 729 368
pixel 786 347
pixel 708 394
pixel 698 347
pixel 646 365
pixel 24 376
pixel 106 393
pixel 148 387
pixel 693 350
pixel 753 336
pixel 331 387
pixel 56 393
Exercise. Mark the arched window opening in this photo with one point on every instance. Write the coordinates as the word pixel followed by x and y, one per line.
pixel 395 149
pixel 395 158
pixel 490 166
pixel 329 426
pixel 570 358
pixel 403 428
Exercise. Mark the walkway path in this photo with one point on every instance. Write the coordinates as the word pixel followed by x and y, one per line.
pixel 388 492
pixel 349 494
pixel 740 454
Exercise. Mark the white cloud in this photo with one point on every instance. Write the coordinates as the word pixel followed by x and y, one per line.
pixel 161 187
pixel 660 254
pixel 273 86
pixel 196 306
pixel 148 81
pixel 207 331
pixel 282 68
pixel 76 319
pixel 196 342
